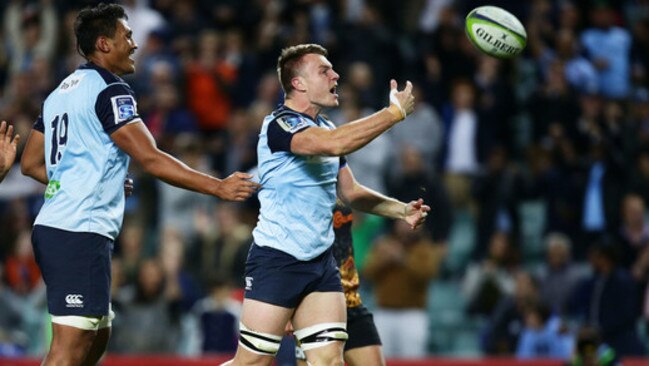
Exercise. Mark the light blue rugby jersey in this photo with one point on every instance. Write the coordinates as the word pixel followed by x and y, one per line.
pixel 86 170
pixel 298 193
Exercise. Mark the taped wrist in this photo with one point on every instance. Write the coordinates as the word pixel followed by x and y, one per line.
pixel 395 106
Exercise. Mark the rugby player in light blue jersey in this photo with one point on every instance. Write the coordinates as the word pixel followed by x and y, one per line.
pixel 291 273
pixel 80 147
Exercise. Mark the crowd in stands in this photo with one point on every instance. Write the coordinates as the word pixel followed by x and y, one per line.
pixel 544 158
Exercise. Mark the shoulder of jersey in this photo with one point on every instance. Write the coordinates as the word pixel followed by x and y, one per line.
pixel 289 121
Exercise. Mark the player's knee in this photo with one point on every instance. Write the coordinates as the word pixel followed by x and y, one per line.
pixel 323 343
pixel 326 356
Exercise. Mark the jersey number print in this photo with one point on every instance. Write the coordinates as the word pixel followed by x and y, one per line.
pixel 59 137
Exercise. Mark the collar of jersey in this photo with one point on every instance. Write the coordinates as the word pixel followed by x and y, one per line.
pixel 92 66
pixel 283 107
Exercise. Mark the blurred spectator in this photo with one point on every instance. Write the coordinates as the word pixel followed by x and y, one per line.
pixel 579 71
pixel 241 142
pixel 491 279
pixel 130 251
pixel 423 131
pixel 180 282
pixel 602 194
pixel 401 266
pixel 608 47
pixel 544 335
pixel 495 100
pixel 501 335
pixel 464 143
pixel 371 162
pixel 178 206
pixel 221 245
pixel 411 171
pixel 634 230
pixel 167 117
pixel 31 31
pixel 13 339
pixel 23 275
pixel 558 276
pixel 591 351
pixel 209 79
pixel 607 300
pixel 216 318
pixel 144 20
pixel 639 175
pixel 553 107
pixel 148 313
pixel 498 191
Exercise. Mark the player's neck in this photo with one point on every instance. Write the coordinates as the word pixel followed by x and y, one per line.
pixel 103 63
pixel 303 106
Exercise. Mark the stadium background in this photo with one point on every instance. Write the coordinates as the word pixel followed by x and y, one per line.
pixel 557 143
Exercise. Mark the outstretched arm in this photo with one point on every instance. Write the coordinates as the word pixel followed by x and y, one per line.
pixel 354 135
pixel 364 199
pixel 137 141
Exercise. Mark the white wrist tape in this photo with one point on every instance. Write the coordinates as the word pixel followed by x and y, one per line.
pixel 394 100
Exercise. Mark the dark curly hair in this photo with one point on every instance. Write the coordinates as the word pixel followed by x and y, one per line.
pixel 92 23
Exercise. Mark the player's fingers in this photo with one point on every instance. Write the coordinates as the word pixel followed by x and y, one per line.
pixel 3 127
pixel 425 208
pixel 10 132
pixel 242 175
pixel 408 88
pixel 393 84
pixel 16 140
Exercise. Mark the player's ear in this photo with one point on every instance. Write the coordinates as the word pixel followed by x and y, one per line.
pixel 298 84
pixel 102 44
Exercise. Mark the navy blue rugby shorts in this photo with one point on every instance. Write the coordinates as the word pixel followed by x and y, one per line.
pixel 278 278
pixel 76 270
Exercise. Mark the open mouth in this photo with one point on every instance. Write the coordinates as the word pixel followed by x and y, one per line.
pixel 333 91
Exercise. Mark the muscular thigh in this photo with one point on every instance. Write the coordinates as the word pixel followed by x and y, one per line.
pixel 320 307
pixel 263 317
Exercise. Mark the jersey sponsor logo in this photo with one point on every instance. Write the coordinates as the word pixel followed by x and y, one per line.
pixel 52 188
pixel 124 107
pixel 71 83
pixel 291 123
pixel 249 283
pixel 74 301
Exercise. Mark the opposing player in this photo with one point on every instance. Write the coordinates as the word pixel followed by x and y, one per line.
pixel 8 144
pixel 80 147
pixel 291 273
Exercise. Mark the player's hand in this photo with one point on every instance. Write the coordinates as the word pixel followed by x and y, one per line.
pixel 402 103
pixel 237 187
pixel 128 186
pixel 8 145
pixel 416 213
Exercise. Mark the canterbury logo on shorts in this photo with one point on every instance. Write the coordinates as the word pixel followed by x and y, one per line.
pixel 74 301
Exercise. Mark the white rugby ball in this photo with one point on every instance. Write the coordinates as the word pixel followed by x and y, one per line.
pixel 495 31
